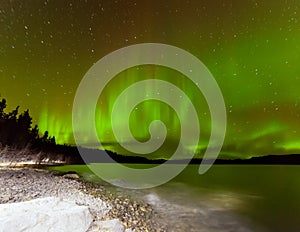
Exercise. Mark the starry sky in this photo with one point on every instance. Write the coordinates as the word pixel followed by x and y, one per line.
pixel 251 47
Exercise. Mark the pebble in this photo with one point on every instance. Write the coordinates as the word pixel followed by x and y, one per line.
pixel 22 184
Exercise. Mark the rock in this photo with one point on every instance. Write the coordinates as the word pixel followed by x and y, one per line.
pixel 71 176
pixel 44 214
pixel 5 198
pixel 113 225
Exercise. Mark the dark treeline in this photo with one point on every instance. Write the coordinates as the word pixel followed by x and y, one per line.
pixel 17 133
pixel 16 129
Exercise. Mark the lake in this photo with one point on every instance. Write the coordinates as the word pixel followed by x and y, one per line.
pixel 226 198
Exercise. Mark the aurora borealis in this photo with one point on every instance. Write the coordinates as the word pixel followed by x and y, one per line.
pixel 252 48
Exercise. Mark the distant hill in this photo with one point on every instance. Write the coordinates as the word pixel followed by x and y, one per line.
pixel 269 159
pixel 96 156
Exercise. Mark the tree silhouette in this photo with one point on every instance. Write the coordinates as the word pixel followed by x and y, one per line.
pixel 45 136
pixel 2 107
pixel 34 133
pixel 17 133
pixel 16 130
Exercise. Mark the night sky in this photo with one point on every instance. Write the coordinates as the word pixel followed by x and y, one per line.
pixel 252 48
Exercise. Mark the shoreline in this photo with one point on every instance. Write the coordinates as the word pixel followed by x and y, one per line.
pixel 23 184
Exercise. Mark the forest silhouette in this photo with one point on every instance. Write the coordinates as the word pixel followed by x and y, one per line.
pixel 19 139
pixel 16 130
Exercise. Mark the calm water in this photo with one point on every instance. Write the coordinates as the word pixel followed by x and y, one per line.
pixel 226 198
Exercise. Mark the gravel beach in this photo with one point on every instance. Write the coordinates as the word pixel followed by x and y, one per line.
pixel 23 184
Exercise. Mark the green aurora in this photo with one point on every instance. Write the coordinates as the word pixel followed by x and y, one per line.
pixel 251 47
